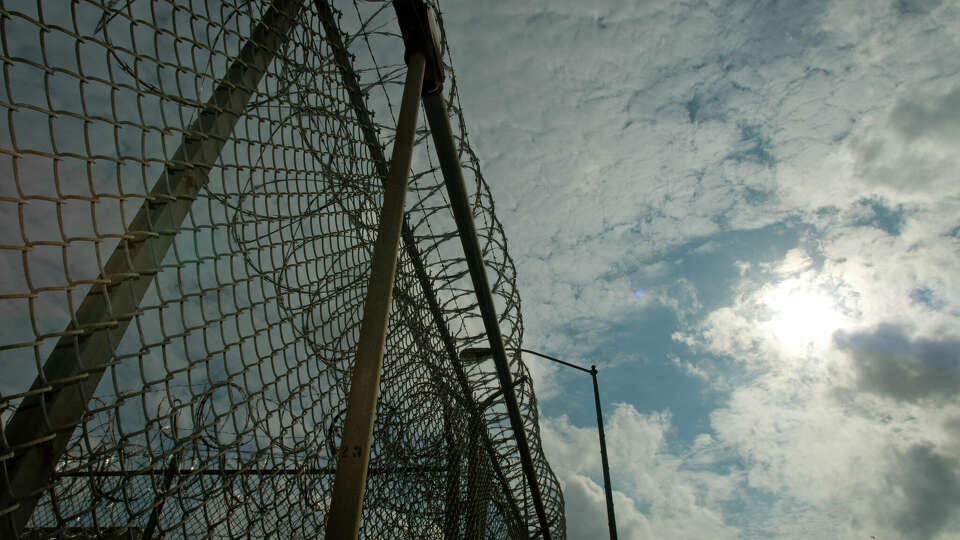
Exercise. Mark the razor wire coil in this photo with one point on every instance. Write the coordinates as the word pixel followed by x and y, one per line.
pixel 220 406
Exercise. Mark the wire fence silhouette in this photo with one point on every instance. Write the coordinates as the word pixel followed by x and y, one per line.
pixel 189 196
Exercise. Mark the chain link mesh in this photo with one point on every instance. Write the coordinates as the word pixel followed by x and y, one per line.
pixel 212 373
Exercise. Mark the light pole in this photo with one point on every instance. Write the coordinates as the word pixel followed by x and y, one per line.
pixel 611 518
pixel 473 354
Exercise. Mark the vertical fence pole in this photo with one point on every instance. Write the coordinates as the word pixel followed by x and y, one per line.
pixel 424 75
pixel 37 434
pixel 343 520
pixel 357 103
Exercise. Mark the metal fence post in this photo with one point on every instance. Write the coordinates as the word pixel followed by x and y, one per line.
pixel 356 99
pixel 172 469
pixel 436 111
pixel 38 432
pixel 354 453
pixel 452 503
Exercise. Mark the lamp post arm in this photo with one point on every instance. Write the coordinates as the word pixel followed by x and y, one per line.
pixel 557 360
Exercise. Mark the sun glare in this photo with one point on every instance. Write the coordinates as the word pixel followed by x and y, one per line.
pixel 802 316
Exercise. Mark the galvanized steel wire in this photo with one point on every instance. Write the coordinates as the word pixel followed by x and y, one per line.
pixel 219 407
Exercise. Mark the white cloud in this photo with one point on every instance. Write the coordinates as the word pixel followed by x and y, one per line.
pixel 613 134
pixel 832 426
pixel 910 154
pixel 656 493
pixel 842 414
pixel 690 368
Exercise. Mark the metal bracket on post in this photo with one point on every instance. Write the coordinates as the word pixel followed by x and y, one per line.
pixel 419 36
pixel 38 432
pixel 343 521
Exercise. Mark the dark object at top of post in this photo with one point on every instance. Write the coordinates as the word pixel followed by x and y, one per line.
pixel 419 36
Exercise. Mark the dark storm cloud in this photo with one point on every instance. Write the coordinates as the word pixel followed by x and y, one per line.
pixel 929 484
pixel 888 362
pixel 939 118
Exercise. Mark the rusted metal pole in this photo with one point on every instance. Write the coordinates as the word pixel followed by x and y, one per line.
pixel 37 434
pixel 343 520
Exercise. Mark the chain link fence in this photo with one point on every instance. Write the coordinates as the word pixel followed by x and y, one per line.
pixel 189 196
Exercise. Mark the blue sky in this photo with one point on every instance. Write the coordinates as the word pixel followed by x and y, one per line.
pixel 780 179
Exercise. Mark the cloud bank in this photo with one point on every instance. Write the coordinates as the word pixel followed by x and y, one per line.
pixel 782 179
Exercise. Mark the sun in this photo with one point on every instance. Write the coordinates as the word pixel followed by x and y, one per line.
pixel 802 315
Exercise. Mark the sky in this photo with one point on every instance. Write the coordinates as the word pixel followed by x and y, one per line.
pixel 746 215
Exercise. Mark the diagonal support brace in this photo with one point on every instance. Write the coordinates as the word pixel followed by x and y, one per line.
pixel 37 434
pixel 346 507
